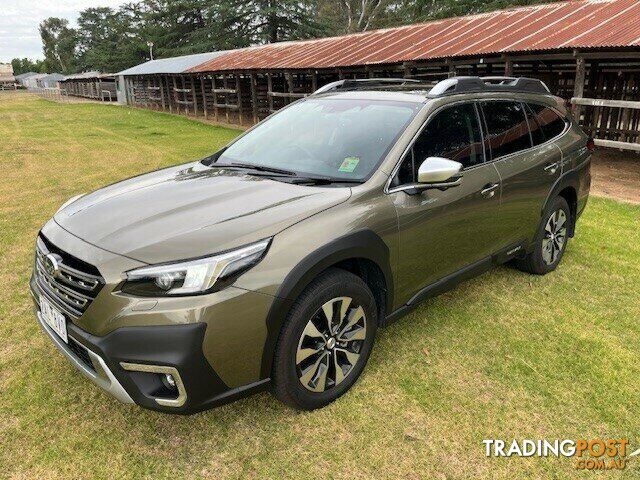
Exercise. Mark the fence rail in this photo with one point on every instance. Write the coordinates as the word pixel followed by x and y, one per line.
pixel 596 102
pixel 612 123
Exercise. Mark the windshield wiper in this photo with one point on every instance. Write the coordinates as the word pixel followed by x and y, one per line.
pixel 259 168
pixel 295 177
pixel 323 180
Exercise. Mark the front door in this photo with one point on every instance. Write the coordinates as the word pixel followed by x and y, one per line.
pixel 443 231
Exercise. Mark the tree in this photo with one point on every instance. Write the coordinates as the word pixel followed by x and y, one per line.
pixel 192 26
pixel 108 39
pixel 59 45
pixel 412 11
pixel 111 40
pixel 350 16
pixel 24 65
pixel 277 20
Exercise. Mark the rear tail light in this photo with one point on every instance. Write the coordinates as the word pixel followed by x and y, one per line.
pixel 591 145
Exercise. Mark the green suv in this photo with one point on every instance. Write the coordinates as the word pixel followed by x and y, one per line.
pixel 272 263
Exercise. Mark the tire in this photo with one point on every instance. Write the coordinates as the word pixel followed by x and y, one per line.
pixel 314 366
pixel 547 250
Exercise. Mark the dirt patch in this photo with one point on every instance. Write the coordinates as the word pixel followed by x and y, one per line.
pixel 616 175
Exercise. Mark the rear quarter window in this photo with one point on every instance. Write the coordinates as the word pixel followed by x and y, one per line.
pixel 550 122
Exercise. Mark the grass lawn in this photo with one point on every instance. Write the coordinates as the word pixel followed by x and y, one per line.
pixel 505 356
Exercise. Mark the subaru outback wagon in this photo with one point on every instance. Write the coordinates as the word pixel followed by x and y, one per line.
pixel 272 263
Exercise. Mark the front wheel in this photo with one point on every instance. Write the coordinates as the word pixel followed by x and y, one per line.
pixel 551 240
pixel 325 341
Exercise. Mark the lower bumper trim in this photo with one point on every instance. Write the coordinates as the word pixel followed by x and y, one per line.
pixel 102 375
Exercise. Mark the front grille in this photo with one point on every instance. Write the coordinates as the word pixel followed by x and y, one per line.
pixel 75 284
pixel 81 353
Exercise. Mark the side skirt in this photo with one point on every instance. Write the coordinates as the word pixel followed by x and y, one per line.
pixel 451 281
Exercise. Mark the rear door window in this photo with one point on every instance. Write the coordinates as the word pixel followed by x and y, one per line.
pixel 550 122
pixel 507 129
pixel 537 135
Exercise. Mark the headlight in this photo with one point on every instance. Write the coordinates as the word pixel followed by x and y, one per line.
pixel 194 277
pixel 70 201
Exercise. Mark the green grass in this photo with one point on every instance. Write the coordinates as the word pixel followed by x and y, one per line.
pixel 506 355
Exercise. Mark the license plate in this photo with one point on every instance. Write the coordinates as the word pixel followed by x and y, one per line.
pixel 54 318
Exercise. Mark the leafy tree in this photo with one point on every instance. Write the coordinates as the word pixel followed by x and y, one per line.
pixel 350 16
pixel 111 40
pixel 107 39
pixel 273 21
pixel 59 45
pixel 411 11
pixel 178 27
pixel 192 26
pixel 24 65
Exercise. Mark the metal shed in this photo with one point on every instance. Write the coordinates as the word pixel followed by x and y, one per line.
pixel 21 79
pixel 580 48
pixel 161 84
pixel 50 80
pixel 31 82
pixel 7 80
pixel 93 85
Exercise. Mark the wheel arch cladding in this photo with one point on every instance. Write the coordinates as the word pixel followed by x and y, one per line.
pixel 570 194
pixel 363 253
pixel 567 188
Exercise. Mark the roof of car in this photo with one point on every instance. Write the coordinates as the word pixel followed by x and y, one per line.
pixel 388 95
pixel 411 90
pixel 421 97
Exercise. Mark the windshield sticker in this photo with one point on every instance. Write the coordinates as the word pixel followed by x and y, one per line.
pixel 349 164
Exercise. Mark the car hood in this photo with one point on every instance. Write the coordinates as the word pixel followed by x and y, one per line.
pixel 191 211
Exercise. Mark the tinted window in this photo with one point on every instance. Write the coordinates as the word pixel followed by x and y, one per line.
pixel 336 138
pixel 551 123
pixel 506 127
pixel 453 133
pixel 536 131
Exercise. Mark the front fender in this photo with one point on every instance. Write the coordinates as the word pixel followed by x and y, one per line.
pixel 364 244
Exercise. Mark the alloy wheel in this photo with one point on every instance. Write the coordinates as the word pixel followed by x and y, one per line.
pixel 555 235
pixel 331 344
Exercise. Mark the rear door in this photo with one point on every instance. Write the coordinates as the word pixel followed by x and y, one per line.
pixel 527 162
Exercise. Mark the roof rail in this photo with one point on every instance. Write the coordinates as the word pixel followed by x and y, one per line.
pixel 488 84
pixel 362 84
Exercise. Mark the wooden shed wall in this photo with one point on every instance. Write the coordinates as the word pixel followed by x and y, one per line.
pixel 245 97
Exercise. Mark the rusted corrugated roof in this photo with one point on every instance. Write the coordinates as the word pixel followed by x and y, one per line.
pixel 556 26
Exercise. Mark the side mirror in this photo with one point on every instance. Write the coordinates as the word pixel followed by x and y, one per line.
pixel 436 172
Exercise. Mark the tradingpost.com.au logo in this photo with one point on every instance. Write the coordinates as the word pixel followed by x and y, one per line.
pixel 595 454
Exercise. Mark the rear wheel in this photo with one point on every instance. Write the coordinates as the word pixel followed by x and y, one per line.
pixel 551 240
pixel 326 341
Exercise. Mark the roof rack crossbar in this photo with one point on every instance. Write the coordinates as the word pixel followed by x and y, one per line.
pixel 362 84
pixel 488 84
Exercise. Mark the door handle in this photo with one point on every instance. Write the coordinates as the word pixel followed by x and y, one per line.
pixel 551 168
pixel 489 190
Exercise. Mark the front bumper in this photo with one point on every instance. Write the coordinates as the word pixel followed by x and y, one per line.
pixel 107 360
pixel 99 373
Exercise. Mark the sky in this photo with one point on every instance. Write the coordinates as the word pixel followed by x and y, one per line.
pixel 19 20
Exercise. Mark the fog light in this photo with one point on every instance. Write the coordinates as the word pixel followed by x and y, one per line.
pixel 169 381
pixel 167 376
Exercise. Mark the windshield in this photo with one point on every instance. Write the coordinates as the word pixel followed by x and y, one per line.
pixel 334 138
